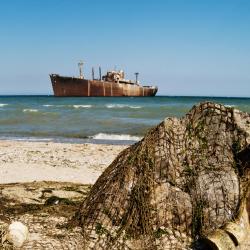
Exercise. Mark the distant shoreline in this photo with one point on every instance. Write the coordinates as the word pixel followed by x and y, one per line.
pixel 70 140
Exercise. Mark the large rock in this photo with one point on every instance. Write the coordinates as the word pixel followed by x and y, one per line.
pixel 186 179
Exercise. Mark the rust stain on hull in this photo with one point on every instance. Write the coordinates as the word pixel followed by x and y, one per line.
pixel 73 86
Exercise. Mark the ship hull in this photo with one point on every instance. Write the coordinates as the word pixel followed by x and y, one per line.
pixel 72 86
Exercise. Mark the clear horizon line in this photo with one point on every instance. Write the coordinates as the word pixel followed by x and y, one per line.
pixel 209 96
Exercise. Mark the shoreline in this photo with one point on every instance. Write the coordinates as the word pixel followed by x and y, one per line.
pixel 100 138
pixel 29 161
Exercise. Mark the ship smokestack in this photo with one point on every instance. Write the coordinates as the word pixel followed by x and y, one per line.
pixel 100 73
pixel 80 66
pixel 93 73
pixel 136 77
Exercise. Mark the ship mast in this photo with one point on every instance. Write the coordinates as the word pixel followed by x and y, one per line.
pixel 100 73
pixel 80 66
pixel 93 73
pixel 136 77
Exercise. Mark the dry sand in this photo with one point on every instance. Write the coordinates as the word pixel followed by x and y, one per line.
pixel 43 192
pixel 25 161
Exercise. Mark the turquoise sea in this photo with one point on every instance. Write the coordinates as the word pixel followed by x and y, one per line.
pixel 90 119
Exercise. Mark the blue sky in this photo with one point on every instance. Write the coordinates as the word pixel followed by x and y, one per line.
pixel 186 47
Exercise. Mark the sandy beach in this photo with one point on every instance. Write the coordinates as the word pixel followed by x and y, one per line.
pixel 25 161
pixel 44 183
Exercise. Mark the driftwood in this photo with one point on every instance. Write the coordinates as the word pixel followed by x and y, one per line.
pixel 183 186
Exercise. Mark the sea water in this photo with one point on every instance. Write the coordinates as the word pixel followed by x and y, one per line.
pixel 93 119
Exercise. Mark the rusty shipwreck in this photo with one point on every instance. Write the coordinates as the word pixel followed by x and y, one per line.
pixel 111 84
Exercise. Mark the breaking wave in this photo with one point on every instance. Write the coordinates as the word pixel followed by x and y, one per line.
pixel 135 107
pixel 229 106
pixel 82 106
pixel 110 106
pixel 3 104
pixel 30 110
pixel 69 106
pixel 121 137
pixel 48 105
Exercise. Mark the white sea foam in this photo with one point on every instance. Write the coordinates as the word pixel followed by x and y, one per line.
pixel 122 137
pixel 35 139
pixel 14 138
pixel 82 106
pixel 3 104
pixel 229 106
pixel 110 106
pixel 48 105
pixel 30 110
pixel 135 107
